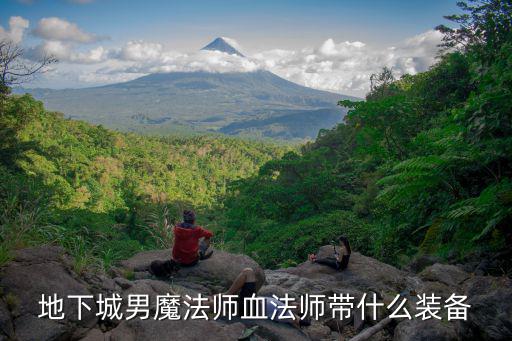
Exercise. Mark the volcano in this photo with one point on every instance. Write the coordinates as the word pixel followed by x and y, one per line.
pixel 256 104
pixel 221 44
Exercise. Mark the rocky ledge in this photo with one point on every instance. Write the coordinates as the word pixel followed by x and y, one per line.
pixel 48 270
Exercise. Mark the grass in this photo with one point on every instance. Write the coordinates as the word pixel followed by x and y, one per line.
pixel 5 254
pixel 128 274
pixel 12 302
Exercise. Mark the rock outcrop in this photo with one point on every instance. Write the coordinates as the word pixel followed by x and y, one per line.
pixel 32 273
pixel 418 330
pixel 212 275
pixel 490 316
pixel 167 330
pixel 48 270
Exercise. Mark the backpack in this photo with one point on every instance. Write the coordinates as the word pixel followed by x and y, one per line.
pixel 163 269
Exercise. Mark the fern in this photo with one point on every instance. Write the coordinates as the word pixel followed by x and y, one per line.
pixel 489 209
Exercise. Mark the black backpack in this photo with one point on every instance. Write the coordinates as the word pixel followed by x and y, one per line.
pixel 163 269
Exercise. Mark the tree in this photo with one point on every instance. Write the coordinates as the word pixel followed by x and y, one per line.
pixel 380 84
pixel 15 69
pixel 484 27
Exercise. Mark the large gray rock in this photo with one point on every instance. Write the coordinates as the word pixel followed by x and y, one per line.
pixel 96 335
pixel 450 275
pixel 429 330
pixel 278 331
pixel 296 285
pixel 363 273
pixel 142 260
pixel 420 262
pixel 100 283
pixel 44 270
pixel 490 314
pixel 199 330
pixel 48 270
pixel 318 331
pixel 216 273
pixel 6 326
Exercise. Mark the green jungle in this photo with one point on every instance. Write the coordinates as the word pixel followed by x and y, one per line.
pixel 421 166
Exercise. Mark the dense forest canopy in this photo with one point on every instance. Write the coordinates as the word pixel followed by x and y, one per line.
pixel 102 193
pixel 422 166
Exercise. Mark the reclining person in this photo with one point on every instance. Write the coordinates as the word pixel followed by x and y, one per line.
pixel 336 262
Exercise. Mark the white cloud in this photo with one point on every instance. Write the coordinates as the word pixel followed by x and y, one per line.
pixel 139 51
pixel 62 30
pixel 345 67
pixel 17 27
pixel 342 67
pixel 62 39
pixel 65 52
pixel 152 57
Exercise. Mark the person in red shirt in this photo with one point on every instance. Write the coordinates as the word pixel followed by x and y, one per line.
pixel 191 241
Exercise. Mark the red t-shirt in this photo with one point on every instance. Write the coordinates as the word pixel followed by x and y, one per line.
pixel 186 243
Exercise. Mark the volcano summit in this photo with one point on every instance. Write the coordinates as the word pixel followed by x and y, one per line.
pixel 257 103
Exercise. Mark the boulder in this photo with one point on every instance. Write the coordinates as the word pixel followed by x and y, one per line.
pixel 149 287
pixel 450 275
pixel 215 273
pixel 428 287
pixel 270 290
pixel 123 282
pixel 271 330
pixel 6 326
pixel 296 285
pixel 490 314
pixel 420 262
pixel 31 328
pixel 363 274
pixel 318 331
pixel 42 254
pixel 142 260
pixel 428 330
pixel 96 335
pixel 176 330
pixel 44 270
pixel 48 270
pixel 100 283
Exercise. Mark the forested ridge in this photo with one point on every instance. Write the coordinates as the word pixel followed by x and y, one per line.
pixel 102 194
pixel 422 166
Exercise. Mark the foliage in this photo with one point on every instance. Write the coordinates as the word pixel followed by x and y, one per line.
pixel 106 195
pixel 423 165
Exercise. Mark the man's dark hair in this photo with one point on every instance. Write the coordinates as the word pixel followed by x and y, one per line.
pixel 189 216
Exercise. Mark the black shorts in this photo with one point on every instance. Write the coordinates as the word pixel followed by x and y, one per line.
pixel 247 290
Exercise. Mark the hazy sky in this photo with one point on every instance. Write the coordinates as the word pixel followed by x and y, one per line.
pixel 326 44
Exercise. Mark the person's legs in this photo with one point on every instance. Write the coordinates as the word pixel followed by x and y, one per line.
pixel 246 276
pixel 204 253
pixel 329 261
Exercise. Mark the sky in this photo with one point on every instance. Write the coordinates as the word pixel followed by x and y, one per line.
pixel 333 45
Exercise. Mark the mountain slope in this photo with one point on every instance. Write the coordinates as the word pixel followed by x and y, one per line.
pixel 232 103
pixel 200 101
